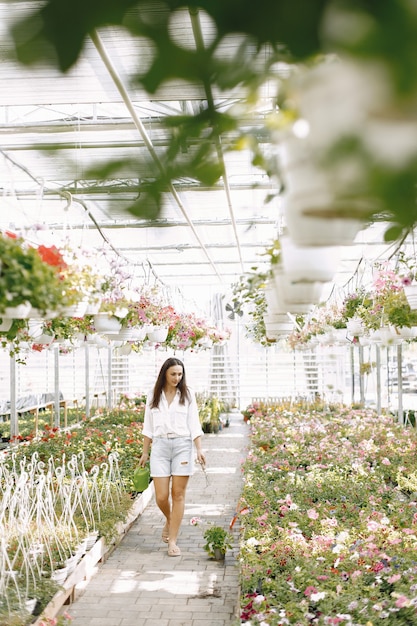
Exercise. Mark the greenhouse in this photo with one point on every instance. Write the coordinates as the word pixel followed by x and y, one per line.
pixel 228 188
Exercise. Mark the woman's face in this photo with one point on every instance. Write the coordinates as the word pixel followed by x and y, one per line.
pixel 173 375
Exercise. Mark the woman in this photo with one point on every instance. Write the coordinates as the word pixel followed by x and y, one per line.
pixel 171 425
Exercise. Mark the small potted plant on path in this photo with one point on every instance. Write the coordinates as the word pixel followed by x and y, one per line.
pixel 218 541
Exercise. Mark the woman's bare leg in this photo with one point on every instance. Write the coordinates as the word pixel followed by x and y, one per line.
pixel 178 488
pixel 162 499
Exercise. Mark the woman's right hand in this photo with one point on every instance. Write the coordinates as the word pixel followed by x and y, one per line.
pixel 143 459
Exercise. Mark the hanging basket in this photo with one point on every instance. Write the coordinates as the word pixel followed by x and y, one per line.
pixel 45 339
pixel 411 295
pixel 290 293
pixel 5 324
pixel 277 325
pixel 19 312
pixel 319 210
pixel 104 323
pixel 385 336
pixel 139 333
pixel 405 332
pixel 158 334
pixel 355 327
pixel 311 221
pixel 125 334
pixel 309 264
pixel 75 310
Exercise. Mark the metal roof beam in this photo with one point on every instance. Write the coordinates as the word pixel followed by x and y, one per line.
pixel 138 123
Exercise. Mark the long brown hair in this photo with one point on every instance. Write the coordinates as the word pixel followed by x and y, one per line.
pixel 161 380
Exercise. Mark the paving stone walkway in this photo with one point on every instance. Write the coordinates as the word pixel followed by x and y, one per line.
pixel 140 585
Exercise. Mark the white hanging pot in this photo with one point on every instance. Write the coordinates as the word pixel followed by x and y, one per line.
pixel 404 331
pixel 44 339
pixel 411 295
pixel 5 324
pixel 319 207
pixel 277 324
pixel 355 327
pixel 19 312
pixel 158 334
pixel 339 335
pixel 121 312
pixel 40 315
pixel 93 306
pixel 311 220
pixel 290 293
pixel 272 301
pixel 138 333
pixel 104 323
pixel 75 310
pixel 123 350
pixel 125 334
pixel 35 328
pixel 309 264
pixel 385 337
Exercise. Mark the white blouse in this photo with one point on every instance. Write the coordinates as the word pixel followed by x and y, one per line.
pixel 181 420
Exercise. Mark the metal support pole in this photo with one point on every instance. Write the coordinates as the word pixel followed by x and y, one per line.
pixel 378 379
pixel 352 372
pixel 57 417
pixel 110 380
pixel 361 381
pixel 400 383
pixel 238 363
pixel 87 377
pixel 14 424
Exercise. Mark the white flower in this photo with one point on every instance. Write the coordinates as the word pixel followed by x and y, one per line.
pixel 320 595
pixel 253 542
pixel 259 599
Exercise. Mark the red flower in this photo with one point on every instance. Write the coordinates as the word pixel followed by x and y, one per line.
pixel 52 256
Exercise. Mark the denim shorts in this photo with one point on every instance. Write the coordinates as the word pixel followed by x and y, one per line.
pixel 171 457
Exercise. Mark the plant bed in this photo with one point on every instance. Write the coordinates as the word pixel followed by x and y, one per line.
pixel 328 519
pixel 86 568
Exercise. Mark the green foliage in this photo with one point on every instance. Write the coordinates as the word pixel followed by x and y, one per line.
pixel 217 538
pixel 326 488
pixel 25 277
pixel 385 33
pixel 249 298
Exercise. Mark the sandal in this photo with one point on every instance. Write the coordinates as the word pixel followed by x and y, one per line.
pixel 174 551
pixel 165 535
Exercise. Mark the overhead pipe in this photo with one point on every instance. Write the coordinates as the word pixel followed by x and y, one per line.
pixel 198 37
pixel 148 143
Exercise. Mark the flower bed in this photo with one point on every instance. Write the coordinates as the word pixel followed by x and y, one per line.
pixel 329 520
pixel 56 490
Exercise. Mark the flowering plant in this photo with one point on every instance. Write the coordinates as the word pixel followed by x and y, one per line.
pixel 328 516
pixel 59 620
pixel 69 327
pixel 29 274
pixel 216 538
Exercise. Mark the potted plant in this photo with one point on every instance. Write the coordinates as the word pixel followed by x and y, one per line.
pixel 218 541
pixel 30 274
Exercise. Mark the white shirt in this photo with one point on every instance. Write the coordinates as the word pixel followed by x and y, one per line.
pixel 181 420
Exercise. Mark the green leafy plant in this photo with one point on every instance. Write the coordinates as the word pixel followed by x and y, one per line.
pixel 29 274
pixel 217 539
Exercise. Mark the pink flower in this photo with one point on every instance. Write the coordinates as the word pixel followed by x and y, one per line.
pixel 312 514
pixel 309 590
pixel 394 578
pixel 385 461
pixel 194 521
pixel 402 601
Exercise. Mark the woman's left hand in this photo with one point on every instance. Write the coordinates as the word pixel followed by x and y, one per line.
pixel 201 458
